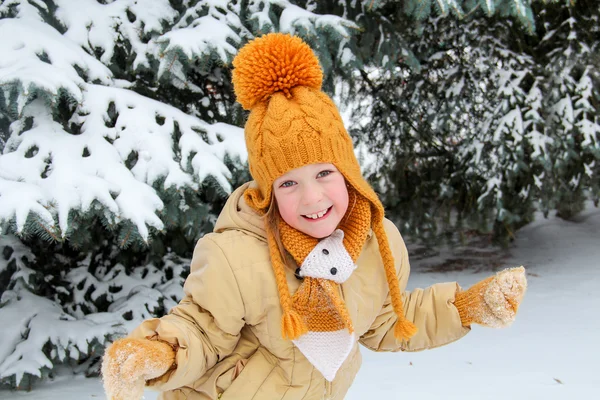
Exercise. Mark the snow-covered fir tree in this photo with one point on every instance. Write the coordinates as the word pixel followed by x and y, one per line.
pixel 441 130
pixel 569 51
pixel 467 140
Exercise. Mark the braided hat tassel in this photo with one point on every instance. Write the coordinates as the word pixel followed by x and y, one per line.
pixel 404 329
pixel 292 324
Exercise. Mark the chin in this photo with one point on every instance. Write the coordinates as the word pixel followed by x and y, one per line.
pixel 321 233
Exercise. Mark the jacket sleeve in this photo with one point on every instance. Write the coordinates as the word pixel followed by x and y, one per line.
pixel 205 326
pixel 431 310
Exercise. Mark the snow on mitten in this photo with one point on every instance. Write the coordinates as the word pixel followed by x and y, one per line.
pixel 129 363
pixel 494 301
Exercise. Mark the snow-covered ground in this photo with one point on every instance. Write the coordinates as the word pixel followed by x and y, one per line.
pixel 552 351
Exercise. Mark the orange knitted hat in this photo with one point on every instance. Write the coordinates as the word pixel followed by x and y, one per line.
pixel 292 123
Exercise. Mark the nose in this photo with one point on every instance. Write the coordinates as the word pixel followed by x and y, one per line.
pixel 312 194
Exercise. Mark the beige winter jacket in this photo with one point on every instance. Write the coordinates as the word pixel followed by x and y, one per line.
pixel 228 326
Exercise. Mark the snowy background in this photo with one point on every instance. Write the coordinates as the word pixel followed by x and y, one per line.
pixel 550 352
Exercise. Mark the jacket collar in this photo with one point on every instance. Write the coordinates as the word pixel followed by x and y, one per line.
pixel 238 215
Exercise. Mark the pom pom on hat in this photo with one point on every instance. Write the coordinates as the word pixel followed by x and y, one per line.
pixel 275 62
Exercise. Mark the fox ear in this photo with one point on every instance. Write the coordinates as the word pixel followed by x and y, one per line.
pixel 337 234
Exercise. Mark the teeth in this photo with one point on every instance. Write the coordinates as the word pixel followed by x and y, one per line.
pixel 317 215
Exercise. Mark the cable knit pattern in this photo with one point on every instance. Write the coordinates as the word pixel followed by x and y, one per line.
pixel 292 123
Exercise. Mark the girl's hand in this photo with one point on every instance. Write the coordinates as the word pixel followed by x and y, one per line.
pixel 494 301
pixel 129 363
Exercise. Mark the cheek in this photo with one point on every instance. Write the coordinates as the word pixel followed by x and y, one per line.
pixel 287 208
pixel 287 214
pixel 343 200
pixel 340 196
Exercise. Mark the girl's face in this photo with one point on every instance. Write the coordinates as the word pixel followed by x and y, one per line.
pixel 312 199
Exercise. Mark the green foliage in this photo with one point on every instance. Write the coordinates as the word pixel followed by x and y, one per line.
pixel 492 125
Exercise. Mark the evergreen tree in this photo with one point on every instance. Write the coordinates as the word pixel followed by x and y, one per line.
pixel 466 129
pixel 569 51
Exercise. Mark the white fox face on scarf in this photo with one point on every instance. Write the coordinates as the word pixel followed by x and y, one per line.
pixel 329 260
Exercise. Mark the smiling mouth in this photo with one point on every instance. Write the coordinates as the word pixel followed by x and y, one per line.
pixel 318 216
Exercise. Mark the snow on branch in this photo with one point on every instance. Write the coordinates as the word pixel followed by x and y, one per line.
pixel 101 27
pixel 126 145
pixel 36 321
pixel 43 333
pixel 207 30
pixel 294 18
pixel 37 58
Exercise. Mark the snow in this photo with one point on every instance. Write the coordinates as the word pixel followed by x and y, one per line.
pixel 211 33
pixel 39 324
pixel 550 352
pixel 23 62
pixel 41 320
pixel 100 26
pixel 73 181
pixel 511 122
pixel 294 17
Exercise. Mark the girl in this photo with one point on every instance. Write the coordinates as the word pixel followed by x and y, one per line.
pixel 302 265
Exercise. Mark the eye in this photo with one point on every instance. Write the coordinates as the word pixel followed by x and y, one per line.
pixel 323 174
pixel 287 184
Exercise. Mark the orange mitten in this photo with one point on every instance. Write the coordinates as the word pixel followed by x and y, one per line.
pixel 494 301
pixel 129 363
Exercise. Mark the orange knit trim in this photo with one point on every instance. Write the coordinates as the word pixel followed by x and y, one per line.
pixel 469 303
pixel 356 223
pixel 297 243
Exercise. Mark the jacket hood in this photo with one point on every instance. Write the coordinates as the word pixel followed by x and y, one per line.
pixel 238 215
